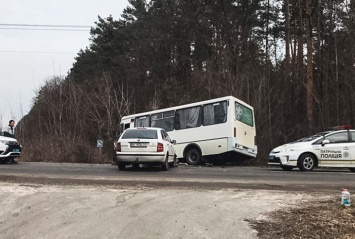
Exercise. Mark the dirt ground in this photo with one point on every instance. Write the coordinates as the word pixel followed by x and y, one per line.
pixel 69 211
pixel 317 219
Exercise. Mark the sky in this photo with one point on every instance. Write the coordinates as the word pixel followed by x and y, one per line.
pixel 30 55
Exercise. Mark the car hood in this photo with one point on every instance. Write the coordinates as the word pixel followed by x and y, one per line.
pixel 290 145
pixel 299 144
pixel 4 138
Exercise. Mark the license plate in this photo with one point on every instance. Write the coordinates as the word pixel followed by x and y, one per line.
pixel 138 145
pixel 15 150
pixel 271 158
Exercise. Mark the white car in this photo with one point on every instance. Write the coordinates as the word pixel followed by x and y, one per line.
pixel 145 146
pixel 326 149
pixel 9 149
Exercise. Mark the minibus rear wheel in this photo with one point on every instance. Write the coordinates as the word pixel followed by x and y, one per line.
pixel 193 157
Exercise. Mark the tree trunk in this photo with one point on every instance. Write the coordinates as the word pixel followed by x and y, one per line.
pixel 287 37
pixel 300 44
pixel 309 84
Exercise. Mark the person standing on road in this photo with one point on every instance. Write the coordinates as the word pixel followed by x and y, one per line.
pixel 9 131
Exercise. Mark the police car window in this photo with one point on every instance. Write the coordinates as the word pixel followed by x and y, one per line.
pixel 310 138
pixel 352 136
pixel 341 137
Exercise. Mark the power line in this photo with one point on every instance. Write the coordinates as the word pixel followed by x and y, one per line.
pixel 40 25
pixel 38 52
pixel 43 29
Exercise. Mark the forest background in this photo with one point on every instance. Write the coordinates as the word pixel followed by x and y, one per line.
pixel 292 60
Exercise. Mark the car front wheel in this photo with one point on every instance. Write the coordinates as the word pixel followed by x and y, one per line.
pixel 306 162
pixel 286 168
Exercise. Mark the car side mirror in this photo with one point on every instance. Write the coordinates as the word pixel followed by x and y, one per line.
pixel 173 141
pixel 326 141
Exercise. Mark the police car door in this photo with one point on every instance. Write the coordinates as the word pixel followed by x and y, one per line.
pixel 336 153
pixel 352 148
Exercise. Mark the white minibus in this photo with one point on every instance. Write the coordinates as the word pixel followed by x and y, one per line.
pixel 217 127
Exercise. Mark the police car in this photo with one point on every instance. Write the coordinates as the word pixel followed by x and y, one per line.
pixel 326 149
pixel 9 149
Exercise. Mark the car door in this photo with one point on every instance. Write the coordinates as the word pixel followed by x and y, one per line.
pixel 169 144
pixel 337 152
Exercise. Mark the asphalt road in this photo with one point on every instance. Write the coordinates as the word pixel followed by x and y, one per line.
pixel 216 177
pixel 54 200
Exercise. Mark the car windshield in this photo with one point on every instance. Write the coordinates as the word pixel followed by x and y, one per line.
pixel 140 134
pixel 312 137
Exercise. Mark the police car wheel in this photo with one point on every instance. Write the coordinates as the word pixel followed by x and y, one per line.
pixel 306 162
pixel 286 168
pixel 352 170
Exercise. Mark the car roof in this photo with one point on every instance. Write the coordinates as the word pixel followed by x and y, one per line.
pixel 336 131
pixel 140 128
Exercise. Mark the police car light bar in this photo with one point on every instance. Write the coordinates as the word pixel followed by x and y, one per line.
pixel 341 127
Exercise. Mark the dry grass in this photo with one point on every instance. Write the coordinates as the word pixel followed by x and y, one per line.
pixel 324 219
pixel 68 150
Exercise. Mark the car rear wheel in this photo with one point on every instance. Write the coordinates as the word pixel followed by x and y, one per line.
pixel 121 166
pixel 352 170
pixel 193 157
pixel 165 166
pixel 286 168
pixel 306 162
